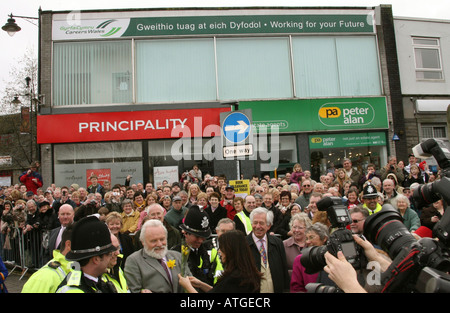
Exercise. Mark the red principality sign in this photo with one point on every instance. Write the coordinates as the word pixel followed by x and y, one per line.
pixel 114 126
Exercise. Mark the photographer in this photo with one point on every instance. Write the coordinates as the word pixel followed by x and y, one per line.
pixel 31 178
pixel 65 199
pixel 342 272
pixel 391 167
pixel 371 173
pixel 418 265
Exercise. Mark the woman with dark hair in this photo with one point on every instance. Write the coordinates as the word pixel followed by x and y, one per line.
pixel 288 209
pixel 285 201
pixel 240 272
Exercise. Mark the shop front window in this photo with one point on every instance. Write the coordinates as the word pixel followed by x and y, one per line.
pixel 329 151
pixel 278 155
pixel 168 159
pixel 113 161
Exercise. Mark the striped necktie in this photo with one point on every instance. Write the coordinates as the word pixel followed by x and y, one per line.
pixel 163 264
pixel 262 251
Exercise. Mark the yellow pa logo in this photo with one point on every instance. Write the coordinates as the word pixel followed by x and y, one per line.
pixel 316 140
pixel 329 112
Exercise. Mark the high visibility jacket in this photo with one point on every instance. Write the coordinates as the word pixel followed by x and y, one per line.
pixel 214 257
pixel 76 282
pixel 246 221
pixel 377 209
pixel 48 277
pixel 118 278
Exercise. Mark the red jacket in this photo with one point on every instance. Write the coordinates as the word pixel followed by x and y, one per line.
pixel 33 181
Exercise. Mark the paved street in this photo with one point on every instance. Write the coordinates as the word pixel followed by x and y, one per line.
pixel 13 282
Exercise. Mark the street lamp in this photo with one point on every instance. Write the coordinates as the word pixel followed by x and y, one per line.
pixel 11 27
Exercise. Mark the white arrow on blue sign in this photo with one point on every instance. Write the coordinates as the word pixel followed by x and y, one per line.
pixel 236 127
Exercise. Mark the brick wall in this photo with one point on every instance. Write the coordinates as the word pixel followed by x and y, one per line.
pixel 392 85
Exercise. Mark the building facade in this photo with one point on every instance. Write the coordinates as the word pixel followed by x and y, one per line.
pixel 141 92
pixel 424 64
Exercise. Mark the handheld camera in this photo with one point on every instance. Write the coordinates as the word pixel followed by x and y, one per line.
pixel 313 258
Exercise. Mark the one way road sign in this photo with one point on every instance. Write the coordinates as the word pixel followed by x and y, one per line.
pixel 236 126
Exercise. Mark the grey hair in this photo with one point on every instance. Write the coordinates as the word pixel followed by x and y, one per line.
pixel 155 205
pixel 261 210
pixel 226 220
pixel 150 223
pixel 400 197
pixel 301 217
pixel 320 229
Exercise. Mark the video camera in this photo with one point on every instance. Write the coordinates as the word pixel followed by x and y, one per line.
pixel 313 258
pixel 418 265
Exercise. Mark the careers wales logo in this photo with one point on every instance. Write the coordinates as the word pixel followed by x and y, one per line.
pixel 89 29
pixel 112 31
pixel 352 114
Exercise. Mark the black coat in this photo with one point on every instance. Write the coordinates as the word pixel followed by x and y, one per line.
pixel 232 284
pixel 277 261
pixel 216 216
pixel 48 220
pixel 126 247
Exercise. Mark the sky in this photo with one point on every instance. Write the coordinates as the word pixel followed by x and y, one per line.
pixel 15 47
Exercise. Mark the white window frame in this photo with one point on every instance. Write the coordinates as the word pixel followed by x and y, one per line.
pixel 436 47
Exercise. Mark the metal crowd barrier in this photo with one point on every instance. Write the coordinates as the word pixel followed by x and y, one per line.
pixel 23 251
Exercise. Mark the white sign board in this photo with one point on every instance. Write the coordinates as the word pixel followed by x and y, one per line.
pixel 237 151
pixel 161 173
pixel 5 181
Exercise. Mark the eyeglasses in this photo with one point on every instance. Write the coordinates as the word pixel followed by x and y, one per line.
pixel 306 185
pixel 357 221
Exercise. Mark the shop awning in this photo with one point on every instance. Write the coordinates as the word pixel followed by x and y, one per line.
pixel 431 106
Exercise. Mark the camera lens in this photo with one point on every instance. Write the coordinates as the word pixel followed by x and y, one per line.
pixel 386 229
pixel 313 259
pixel 319 288
pixel 424 195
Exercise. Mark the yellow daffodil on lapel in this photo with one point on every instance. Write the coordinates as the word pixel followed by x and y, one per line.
pixel 171 264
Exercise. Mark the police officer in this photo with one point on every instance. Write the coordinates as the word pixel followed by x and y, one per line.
pixel 115 274
pixel 49 277
pixel 370 199
pixel 92 248
pixel 196 230
pixel 224 225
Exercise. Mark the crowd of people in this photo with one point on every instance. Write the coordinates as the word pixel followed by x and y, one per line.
pixel 197 235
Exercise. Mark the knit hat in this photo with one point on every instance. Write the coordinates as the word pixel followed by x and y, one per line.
pixel 422 165
pixel 424 231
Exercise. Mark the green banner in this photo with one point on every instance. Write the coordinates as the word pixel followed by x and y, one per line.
pixel 307 115
pixel 347 140
pixel 249 24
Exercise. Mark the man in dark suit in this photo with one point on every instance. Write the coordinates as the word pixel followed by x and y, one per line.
pixel 154 268
pixel 65 217
pixel 268 251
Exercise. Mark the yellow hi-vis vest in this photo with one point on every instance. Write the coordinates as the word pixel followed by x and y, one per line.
pixel 246 221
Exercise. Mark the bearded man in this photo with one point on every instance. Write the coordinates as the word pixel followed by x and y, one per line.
pixel 154 268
